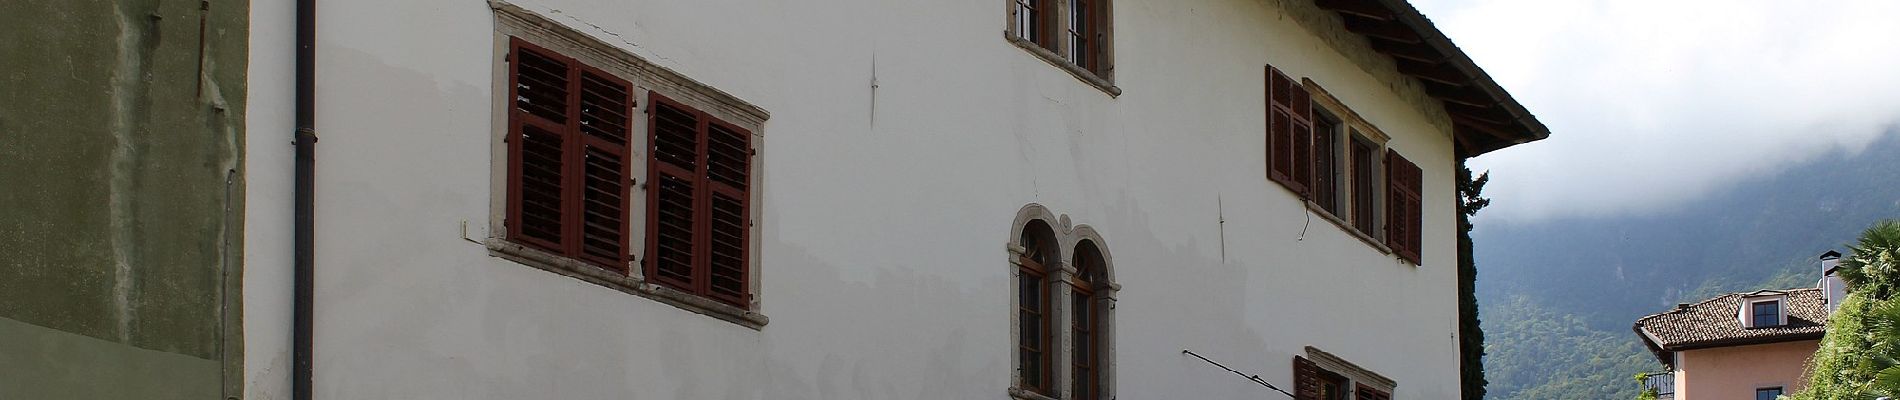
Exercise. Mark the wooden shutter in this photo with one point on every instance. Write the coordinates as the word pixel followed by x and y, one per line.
pixel 537 146
pixel 728 168
pixel 605 124
pixel 673 163
pixel 1306 380
pixel 1289 133
pixel 1403 206
pixel 700 219
pixel 1368 393
pixel 567 152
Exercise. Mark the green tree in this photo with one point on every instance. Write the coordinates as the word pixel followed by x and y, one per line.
pixel 1859 358
pixel 1642 381
pixel 1470 334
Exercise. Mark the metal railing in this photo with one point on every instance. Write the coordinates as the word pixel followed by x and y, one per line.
pixel 1664 383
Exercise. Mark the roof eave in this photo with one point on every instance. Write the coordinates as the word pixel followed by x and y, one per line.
pixel 1485 117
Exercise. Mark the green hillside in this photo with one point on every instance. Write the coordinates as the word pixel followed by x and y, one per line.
pixel 1558 296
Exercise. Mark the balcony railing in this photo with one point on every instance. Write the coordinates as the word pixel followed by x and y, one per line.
pixel 1664 383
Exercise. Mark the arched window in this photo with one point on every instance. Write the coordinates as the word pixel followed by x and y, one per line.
pixel 1085 319
pixel 1037 264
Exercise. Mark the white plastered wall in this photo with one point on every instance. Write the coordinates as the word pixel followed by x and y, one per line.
pixel 884 208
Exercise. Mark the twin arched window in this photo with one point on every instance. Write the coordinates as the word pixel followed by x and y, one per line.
pixel 1064 301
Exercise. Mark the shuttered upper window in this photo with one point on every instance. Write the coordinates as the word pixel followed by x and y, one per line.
pixel 1403 202
pixel 1327 377
pixel 1075 35
pixel 568 130
pixel 699 175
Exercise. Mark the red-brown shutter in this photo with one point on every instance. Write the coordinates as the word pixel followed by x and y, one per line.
pixel 1403 206
pixel 605 105
pixel 1289 133
pixel 567 152
pixel 1368 393
pixel 700 218
pixel 1306 384
pixel 728 167
pixel 673 165
pixel 537 146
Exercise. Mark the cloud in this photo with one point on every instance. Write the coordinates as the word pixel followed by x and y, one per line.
pixel 1654 103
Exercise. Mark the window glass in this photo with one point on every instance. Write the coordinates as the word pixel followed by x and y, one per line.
pixel 1767 393
pixel 1767 313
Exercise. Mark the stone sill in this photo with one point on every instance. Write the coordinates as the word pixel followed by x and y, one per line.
pixel 627 283
pixel 1060 62
pixel 1019 393
pixel 1346 226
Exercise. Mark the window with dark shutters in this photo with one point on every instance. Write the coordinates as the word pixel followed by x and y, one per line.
pixel 567 149
pixel 1368 393
pixel 1364 156
pixel 1306 379
pixel 1289 133
pixel 1403 206
pixel 1326 163
pixel 698 216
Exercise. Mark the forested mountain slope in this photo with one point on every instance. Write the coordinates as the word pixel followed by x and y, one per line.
pixel 1558 296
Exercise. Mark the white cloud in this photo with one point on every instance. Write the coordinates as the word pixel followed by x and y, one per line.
pixel 1653 103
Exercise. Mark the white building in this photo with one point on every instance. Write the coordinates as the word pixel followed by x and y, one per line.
pixel 555 199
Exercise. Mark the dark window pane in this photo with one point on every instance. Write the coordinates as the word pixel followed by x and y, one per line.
pixel 1030 296
pixel 1031 329
pixel 1767 313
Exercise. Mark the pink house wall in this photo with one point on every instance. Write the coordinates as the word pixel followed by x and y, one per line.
pixel 1727 373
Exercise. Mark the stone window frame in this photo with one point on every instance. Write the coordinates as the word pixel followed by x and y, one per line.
pixel 1356 376
pixel 1352 126
pixel 1068 237
pixel 1059 55
pixel 512 21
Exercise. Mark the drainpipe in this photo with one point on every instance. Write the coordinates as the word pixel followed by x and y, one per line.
pixel 305 192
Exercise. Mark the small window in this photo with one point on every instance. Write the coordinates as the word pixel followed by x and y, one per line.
pixel 1368 393
pixel 1766 314
pixel 1074 34
pixel 1768 393
pixel 1086 317
pixel 1333 386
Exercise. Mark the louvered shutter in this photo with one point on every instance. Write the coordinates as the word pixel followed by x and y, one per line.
pixel 673 165
pixel 1306 384
pixel 1289 133
pixel 605 124
pixel 537 147
pixel 1368 393
pixel 1403 206
pixel 728 167
pixel 700 218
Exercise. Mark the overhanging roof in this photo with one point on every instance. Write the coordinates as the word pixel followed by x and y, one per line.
pixel 1484 117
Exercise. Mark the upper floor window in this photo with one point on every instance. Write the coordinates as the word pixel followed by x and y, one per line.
pixel 1328 155
pixel 1770 393
pixel 569 196
pixel 1766 313
pixel 1073 34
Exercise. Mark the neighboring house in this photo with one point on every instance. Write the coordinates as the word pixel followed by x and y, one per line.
pixel 1752 345
pixel 672 199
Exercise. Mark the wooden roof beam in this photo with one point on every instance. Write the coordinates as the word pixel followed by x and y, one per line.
pixel 1363 8
pixel 1491 115
pixel 1465 95
pixel 1381 29
pixel 1443 73
pixel 1409 51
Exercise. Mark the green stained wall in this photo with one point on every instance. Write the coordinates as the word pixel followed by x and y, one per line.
pixel 120 197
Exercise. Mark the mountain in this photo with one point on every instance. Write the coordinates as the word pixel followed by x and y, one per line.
pixel 1558 296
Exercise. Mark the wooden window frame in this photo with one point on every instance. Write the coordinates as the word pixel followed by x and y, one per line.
pixel 1040 274
pixel 1085 379
pixel 705 189
pixel 1311 372
pixel 1326 166
pixel 1363 392
pixel 1755 315
pixel 574 145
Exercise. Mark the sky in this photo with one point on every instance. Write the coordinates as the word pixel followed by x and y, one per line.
pixel 1654 103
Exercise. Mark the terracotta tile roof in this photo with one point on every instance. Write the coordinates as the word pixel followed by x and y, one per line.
pixel 1713 323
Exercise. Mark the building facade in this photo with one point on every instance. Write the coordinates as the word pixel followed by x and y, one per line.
pixel 1739 345
pixel 663 199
